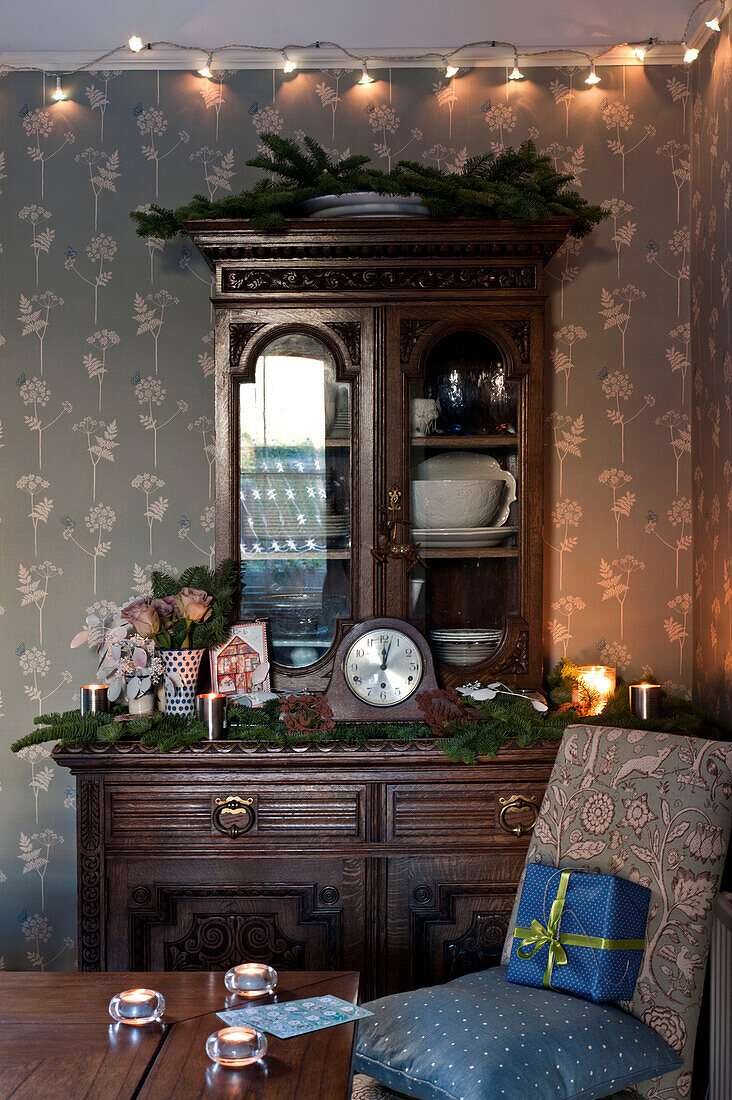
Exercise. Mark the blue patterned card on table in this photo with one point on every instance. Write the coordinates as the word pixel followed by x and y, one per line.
pixel 580 933
pixel 295 1017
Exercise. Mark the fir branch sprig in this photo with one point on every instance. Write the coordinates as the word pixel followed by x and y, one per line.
pixel 515 183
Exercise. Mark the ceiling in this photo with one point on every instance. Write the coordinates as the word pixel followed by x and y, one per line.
pixel 96 25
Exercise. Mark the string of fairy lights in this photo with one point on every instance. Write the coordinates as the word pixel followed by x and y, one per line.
pixel 448 62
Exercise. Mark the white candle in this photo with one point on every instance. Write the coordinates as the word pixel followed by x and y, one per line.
pixel 251 979
pixel 236 1046
pixel 137 1006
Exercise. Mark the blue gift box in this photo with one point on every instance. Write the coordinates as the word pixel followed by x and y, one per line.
pixel 580 933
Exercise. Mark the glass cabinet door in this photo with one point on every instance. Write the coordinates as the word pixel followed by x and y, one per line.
pixel 465 432
pixel 295 497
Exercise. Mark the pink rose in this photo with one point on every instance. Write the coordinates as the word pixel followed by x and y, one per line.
pixel 194 604
pixel 143 616
pixel 166 607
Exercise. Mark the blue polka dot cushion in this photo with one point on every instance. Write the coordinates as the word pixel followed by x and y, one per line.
pixel 483 1038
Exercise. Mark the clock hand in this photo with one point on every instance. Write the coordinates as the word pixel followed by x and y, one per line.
pixel 385 656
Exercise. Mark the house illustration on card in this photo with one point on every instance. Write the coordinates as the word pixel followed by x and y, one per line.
pixel 235 664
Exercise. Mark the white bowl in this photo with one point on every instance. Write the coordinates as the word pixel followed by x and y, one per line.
pixel 455 503
pixel 469 466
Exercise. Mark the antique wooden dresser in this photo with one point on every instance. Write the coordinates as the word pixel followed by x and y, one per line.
pixel 393 863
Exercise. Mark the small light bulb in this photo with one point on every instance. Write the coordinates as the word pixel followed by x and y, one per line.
pixel 365 78
pixel 289 66
pixel 136 44
pixel 59 95
pixel 450 70
pixel 593 78
pixel 515 73
pixel 640 52
pixel 206 70
pixel 691 54
pixel 713 24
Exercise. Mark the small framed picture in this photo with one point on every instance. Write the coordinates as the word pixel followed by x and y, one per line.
pixel 241 664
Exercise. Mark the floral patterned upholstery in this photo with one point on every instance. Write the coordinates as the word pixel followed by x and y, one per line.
pixel 654 808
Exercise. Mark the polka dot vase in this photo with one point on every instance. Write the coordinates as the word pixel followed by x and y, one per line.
pixel 181 675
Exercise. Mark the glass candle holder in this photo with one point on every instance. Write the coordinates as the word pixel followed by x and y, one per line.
pixel 645 701
pixel 210 711
pixel 94 699
pixel 595 685
pixel 137 1006
pixel 236 1046
pixel 251 980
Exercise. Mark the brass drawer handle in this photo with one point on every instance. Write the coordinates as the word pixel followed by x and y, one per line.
pixel 517 802
pixel 234 805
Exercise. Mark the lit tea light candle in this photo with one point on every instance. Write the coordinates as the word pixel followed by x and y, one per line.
pixel 210 710
pixel 645 701
pixel 251 979
pixel 595 685
pixel 137 1006
pixel 94 699
pixel 236 1046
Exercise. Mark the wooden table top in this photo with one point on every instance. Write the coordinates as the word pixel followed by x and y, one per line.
pixel 57 1039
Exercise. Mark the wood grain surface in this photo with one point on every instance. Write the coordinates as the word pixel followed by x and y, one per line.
pixel 57 1040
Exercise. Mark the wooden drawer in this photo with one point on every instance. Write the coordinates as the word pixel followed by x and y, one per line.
pixel 186 812
pixel 454 812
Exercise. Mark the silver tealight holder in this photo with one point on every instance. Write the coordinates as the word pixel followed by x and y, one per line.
pixel 94 699
pixel 645 701
pixel 210 711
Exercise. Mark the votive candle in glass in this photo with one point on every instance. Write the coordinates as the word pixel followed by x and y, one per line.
pixel 595 685
pixel 94 699
pixel 645 701
pixel 251 980
pixel 137 1006
pixel 236 1046
pixel 210 710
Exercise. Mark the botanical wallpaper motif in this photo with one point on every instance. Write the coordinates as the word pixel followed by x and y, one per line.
pixel 106 369
pixel 654 809
pixel 711 350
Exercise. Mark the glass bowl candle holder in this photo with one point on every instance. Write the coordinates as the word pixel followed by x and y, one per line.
pixel 137 1006
pixel 251 980
pixel 236 1046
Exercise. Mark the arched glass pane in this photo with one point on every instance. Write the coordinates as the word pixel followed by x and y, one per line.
pixel 295 497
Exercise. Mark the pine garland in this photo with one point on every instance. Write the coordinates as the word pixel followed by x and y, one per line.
pixel 507 720
pixel 520 184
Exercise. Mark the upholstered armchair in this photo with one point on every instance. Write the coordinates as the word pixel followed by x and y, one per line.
pixel 651 807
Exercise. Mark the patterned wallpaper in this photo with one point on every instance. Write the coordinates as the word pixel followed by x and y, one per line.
pixel 711 353
pixel 106 396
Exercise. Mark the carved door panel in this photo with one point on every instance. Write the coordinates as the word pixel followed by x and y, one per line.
pixel 447 917
pixel 464 407
pixel 293 914
pixel 295 497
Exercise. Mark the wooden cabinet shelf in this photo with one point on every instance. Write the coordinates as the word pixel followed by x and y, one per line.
pixel 297 555
pixel 465 442
pixel 469 552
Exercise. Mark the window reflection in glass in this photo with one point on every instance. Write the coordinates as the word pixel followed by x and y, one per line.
pixel 295 489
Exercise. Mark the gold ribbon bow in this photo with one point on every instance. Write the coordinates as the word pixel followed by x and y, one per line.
pixel 534 938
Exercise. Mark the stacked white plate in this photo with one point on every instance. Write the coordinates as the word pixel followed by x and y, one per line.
pixel 461 536
pixel 466 646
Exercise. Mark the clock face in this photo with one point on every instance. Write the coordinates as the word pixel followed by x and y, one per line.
pixel 383 667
